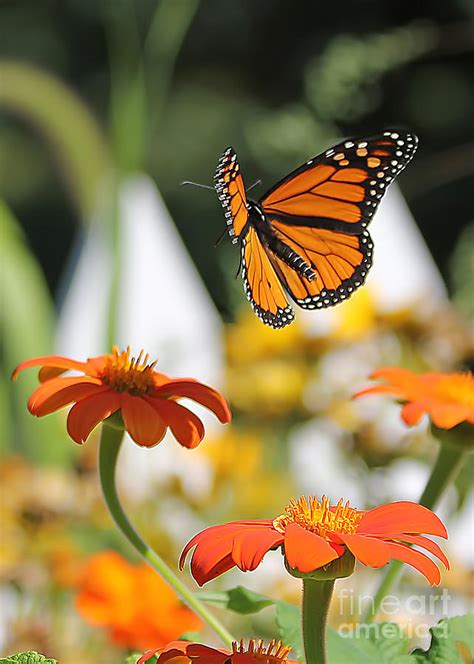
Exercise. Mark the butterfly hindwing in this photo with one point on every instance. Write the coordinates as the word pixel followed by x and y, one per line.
pixel 340 261
pixel 262 285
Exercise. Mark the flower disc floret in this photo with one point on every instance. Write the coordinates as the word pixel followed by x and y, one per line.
pixel 319 517
pixel 124 373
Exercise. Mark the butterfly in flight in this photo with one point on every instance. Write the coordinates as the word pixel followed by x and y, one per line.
pixel 306 239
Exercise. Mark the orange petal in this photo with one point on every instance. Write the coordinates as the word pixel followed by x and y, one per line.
pixel 399 517
pixel 396 376
pixel 425 543
pixel 59 392
pixel 142 421
pixel 447 416
pixel 51 361
pixel 86 415
pixel 306 551
pixel 203 394
pixel 412 412
pixel 187 428
pixel 175 649
pixel 250 546
pixel 417 560
pixel 213 553
pixel 368 550
pixel 202 654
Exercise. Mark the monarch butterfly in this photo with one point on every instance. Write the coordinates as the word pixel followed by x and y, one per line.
pixel 306 239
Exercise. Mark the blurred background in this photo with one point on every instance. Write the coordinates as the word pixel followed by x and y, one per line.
pixel 105 107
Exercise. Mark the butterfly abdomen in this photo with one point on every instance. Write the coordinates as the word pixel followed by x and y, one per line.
pixel 270 240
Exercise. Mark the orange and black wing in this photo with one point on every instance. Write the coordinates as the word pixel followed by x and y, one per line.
pixel 263 286
pixel 340 260
pixel 321 211
pixel 231 193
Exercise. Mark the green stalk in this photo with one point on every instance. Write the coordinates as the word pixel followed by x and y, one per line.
pixel 448 464
pixel 316 599
pixel 110 443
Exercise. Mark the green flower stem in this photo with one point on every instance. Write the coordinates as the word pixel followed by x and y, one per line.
pixel 316 599
pixel 447 466
pixel 110 443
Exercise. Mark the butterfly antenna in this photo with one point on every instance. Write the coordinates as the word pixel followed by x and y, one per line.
pixel 220 238
pixel 197 184
pixel 255 184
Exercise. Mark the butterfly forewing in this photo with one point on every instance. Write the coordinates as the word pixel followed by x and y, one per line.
pixel 231 193
pixel 343 185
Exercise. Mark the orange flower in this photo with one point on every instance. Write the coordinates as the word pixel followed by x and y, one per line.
pixel 145 398
pixel 132 602
pixel 313 533
pixel 447 398
pixel 183 652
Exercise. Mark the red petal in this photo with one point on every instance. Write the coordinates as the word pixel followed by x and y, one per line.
pixel 51 361
pixel 142 421
pixel 425 543
pixel 306 551
pixel 250 546
pixel 87 414
pixel 399 517
pixel 417 560
pixel 203 394
pixel 368 550
pixel 59 392
pixel 187 428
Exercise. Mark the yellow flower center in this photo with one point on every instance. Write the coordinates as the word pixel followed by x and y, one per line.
pixel 124 373
pixel 456 388
pixel 275 651
pixel 319 517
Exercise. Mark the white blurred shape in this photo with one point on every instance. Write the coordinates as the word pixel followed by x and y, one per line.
pixel 461 533
pixel 164 304
pixel 403 273
pixel 320 465
pixel 82 321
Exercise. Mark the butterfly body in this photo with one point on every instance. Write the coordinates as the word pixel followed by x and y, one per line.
pixel 270 240
pixel 306 239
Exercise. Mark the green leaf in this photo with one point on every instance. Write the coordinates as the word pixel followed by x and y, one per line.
pixel 452 642
pixel 194 637
pixel 240 600
pixel 288 621
pixel 74 136
pixel 377 643
pixel 29 657
pixel 26 323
